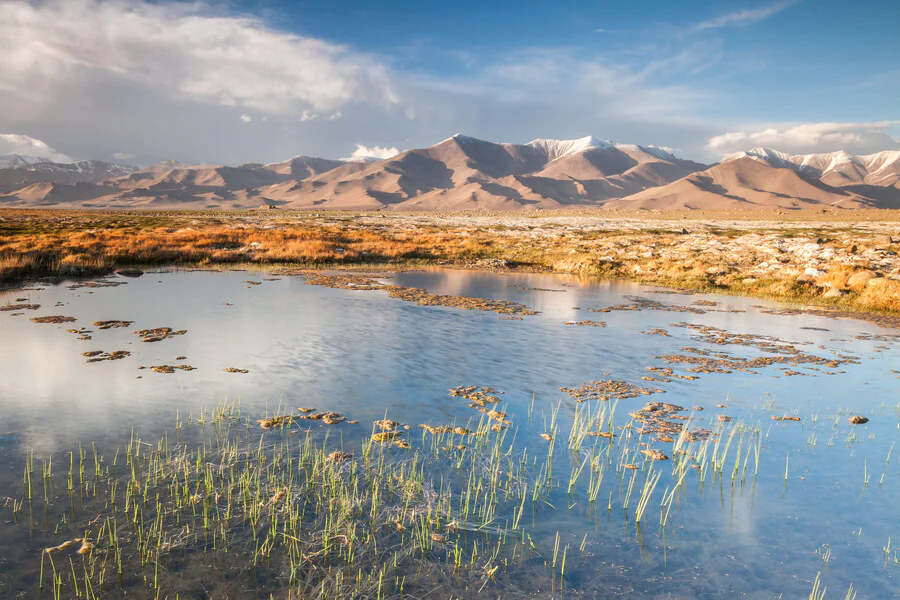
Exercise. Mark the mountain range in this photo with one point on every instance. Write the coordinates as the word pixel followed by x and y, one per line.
pixel 463 172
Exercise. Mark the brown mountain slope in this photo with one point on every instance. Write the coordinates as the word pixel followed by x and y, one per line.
pixel 744 183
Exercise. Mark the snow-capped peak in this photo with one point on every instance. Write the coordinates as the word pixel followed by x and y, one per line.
pixel 555 149
pixel 880 160
pixel 766 155
pixel 11 161
pixel 361 159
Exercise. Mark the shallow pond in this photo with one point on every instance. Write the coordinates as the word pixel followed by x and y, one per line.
pixel 779 504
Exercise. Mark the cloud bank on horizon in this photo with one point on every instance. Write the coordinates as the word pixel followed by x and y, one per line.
pixel 142 81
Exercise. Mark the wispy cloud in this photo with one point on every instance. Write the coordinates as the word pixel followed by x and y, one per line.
pixel 191 51
pixel 364 152
pixel 16 143
pixel 810 137
pixel 741 18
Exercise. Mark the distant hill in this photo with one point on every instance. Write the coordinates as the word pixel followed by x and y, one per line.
pixel 463 172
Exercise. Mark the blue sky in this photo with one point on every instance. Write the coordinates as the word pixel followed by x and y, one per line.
pixel 262 80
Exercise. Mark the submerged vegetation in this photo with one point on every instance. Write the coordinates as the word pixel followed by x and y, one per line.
pixel 811 258
pixel 280 511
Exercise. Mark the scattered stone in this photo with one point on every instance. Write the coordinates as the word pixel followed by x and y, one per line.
pixel 861 278
pixel 492 263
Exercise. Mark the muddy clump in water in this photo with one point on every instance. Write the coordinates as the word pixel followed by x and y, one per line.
pixel 780 352
pixel 653 454
pixel 158 334
pixel 586 323
pixel 609 389
pixel 54 319
pixel 417 295
pixel 170 368
pixel 96 284
pixel 338 456
pixel 77 546
pixel 391 437
pixel 111 324
pixel 100 355
pixel 12 307
pixel 657 331
pixel 329 418
pixel 662 420
pixel 481 395
pixel 82 333
pixel 276 421
pixel 235 370
pixel 638 303
pixel 483 400
pixel 439 429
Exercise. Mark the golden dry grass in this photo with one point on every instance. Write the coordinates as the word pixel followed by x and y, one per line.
pixel 35 243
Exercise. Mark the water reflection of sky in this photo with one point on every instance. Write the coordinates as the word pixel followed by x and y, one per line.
pixel 364 354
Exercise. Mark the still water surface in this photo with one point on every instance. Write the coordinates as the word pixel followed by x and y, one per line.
pixel 367 356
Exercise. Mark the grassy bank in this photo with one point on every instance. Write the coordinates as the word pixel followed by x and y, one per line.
pixel 821 259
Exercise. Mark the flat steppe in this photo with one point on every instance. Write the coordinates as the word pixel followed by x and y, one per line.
pixel 839 260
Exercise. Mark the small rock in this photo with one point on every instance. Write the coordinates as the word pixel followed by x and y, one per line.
pixel 492 263
pixel 834 293
pixel 858 420
pixel 130 272
pixel 861 278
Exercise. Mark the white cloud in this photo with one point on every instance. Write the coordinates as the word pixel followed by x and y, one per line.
pixel 363 152
pixel 744 17
pixel 246 118
pixel 15 143
pixel 810 138
pixel 188 50
pixel 123 156
pixel 167 79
